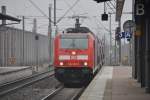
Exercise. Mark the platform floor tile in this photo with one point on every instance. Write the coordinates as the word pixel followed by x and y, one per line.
pixel 95 90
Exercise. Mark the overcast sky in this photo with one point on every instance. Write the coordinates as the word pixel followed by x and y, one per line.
pixel 88 8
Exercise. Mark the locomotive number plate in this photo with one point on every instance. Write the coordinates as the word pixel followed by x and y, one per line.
pixel 73 64
pixel 73 57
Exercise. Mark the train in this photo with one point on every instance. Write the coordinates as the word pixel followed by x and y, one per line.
pixel 78 55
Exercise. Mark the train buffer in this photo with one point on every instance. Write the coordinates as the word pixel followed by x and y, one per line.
pixel 114 83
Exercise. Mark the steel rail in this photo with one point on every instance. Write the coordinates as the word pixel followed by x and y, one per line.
pixel 20 79
pixel 50 95
pixel 75 96
pixel 11 86
pixel 78 94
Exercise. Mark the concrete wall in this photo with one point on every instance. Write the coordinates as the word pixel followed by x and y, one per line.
pixel 15 52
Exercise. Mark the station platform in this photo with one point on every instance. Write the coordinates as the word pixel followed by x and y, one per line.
pixel 6 70
pixel 8 74
pixel 114 83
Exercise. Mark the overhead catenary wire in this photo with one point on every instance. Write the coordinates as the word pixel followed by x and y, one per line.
pixel 101 24
pixel 110 7
pixel 112 4
pixel 37 8
pixel 41 17
pixel 43 13
pixel 69 6
pixel 68 11
pixel 98 28
pixel 88 23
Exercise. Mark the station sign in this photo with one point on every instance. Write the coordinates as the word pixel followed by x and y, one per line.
pixel 140 9
pixel 125 35
pixel 139 14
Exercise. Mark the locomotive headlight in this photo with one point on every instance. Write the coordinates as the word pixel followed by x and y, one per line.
pixel 85 63
pixel 73 53
pixel 61 63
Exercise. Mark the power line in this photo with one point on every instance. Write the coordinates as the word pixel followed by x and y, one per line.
pixel 69 6
pixel 97 26
pixel 112 4
pixel 101 24
pixel 42 17
pixel 88 23
pixel 68 11
pixel 110 7
pixel 39 9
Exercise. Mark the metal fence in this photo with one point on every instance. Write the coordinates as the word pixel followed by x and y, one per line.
pixel 22 48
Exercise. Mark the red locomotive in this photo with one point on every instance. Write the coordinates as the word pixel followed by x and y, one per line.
pixel 78 55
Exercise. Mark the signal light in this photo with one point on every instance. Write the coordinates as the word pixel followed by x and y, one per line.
pixel 104 17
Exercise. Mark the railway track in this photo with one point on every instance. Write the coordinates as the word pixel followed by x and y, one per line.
pixel 53 93
pixel 15 85
pixel 63 93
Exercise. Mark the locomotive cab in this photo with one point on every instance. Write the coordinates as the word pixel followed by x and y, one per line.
pixel 76 55
pixel 73 58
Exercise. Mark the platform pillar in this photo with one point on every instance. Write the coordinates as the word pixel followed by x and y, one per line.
pixel 147 51
pixel 140 41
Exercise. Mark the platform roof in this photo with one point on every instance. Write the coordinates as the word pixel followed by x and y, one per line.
pixel 8 17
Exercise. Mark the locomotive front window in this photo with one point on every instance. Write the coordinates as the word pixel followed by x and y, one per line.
pixel 74 43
